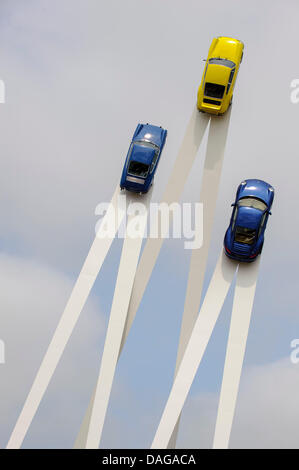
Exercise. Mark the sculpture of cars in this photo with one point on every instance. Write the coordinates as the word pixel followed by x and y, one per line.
pixel 215 92
pixel 142 158
pixel 244 237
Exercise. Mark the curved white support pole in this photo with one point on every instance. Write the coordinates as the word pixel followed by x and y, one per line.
pixel 183 164
pixel 204 325
pixel 239 326
pixel 192 139
pixel 123 289
pixel 68 320
pixel 208 197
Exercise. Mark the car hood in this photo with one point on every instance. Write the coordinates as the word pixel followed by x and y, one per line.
pixel 217 74
pixel 142 154
pixel 249 217
pixel 151 134
pixel 226 48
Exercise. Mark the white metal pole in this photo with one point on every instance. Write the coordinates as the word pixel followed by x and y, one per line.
pixel 204 325
pixel 239 326
pixel 208 197
pixel 68 320
pixel 183 164
pixel 192 139
pixel 124 284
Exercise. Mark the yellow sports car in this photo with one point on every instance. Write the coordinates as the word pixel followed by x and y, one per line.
pixel 215 93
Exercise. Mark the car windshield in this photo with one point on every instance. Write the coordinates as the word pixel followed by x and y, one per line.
pixel 138 169
pixel 252 202
pixel 146 143
pixel 245 235
pixel 224 62
pixel 214 90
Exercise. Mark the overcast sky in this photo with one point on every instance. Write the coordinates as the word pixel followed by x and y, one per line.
pixel 79 76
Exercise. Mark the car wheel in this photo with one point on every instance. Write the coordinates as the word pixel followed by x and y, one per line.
pixel 241 57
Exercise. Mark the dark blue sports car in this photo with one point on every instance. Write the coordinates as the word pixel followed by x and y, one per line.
pixel 143 158
pixel 244 237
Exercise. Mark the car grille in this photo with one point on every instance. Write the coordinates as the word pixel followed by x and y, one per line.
pixel 216 103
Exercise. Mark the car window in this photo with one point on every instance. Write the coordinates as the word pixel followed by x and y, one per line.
pixel 263 219
pixel 252 202
pixel 155 160
pixel 138 169
pixel 214 90
pixel 224 62
pixel 146 143
pixel 204 77
pixel 262 223
pixel 245 235
pixel 231 77
pixel 129 154
pixel 234 217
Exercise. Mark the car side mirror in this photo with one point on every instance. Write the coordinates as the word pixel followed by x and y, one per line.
pixel 269 212
pixel 204 60
pixel 233 204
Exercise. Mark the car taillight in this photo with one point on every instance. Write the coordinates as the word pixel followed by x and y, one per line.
pixel 253 256
pixel 227 249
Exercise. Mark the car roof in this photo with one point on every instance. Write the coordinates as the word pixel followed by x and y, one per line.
pixel 217 74
pixel 248 217
pixel 142 154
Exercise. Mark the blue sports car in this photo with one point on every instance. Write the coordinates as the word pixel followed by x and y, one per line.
pixel 244 237
pixel 143 158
